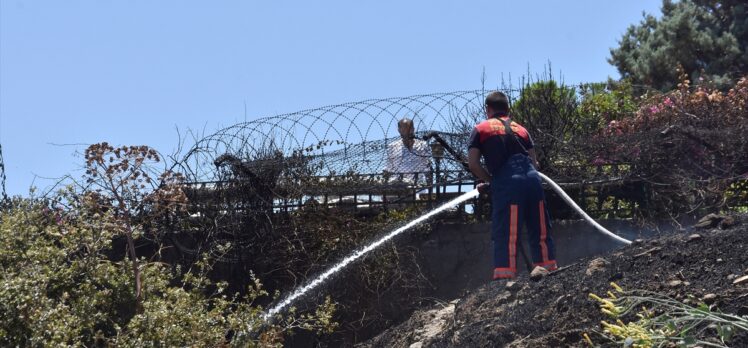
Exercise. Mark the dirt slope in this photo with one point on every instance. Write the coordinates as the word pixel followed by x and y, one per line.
pixel 555 311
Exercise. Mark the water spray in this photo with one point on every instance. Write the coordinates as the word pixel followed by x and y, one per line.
pixel 317 281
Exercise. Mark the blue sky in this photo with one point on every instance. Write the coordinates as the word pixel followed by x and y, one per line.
pixel 130 72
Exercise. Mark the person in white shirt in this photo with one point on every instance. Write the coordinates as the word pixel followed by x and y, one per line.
pixel 408 155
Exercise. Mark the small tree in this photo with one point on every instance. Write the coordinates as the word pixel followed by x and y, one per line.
pixel 549 112
pixel 123 181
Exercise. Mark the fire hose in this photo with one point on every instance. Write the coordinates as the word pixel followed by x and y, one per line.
pixel 459 158
pixel 581 212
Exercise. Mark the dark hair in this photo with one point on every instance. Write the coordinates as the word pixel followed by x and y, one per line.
pixel 498 102
pixel 405 121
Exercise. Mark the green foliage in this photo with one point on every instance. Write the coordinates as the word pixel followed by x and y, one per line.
pixel 662 321
pixel 549 112
pixel 605 102
pixel 736 196
pixel 60 288
pixel 707 38
pixel 55 291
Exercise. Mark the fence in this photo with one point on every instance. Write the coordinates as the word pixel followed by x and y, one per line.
pixel 371 194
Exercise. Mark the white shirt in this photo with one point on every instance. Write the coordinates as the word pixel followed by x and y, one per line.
pixel 400 159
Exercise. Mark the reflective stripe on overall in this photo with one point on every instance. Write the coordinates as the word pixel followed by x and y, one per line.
pixel 517 197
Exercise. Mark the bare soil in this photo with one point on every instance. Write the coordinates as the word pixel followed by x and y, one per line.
pixel 556 311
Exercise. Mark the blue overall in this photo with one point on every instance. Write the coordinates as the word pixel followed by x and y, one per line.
pixel 517 196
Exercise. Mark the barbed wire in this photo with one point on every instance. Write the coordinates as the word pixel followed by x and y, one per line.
pixel 336 139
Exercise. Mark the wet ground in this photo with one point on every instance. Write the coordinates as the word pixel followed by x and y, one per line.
pixel 556 310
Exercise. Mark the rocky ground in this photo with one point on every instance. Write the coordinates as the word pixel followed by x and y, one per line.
pixel 706 264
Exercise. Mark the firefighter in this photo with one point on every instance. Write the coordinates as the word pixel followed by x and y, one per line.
pixel 516 192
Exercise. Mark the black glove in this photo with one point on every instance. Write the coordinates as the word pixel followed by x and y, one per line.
pixel 483 187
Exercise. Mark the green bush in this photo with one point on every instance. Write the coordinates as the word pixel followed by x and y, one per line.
pixel 605 102
pixel 60 288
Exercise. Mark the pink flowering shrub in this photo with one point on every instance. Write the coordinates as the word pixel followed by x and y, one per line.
pixel 689 145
